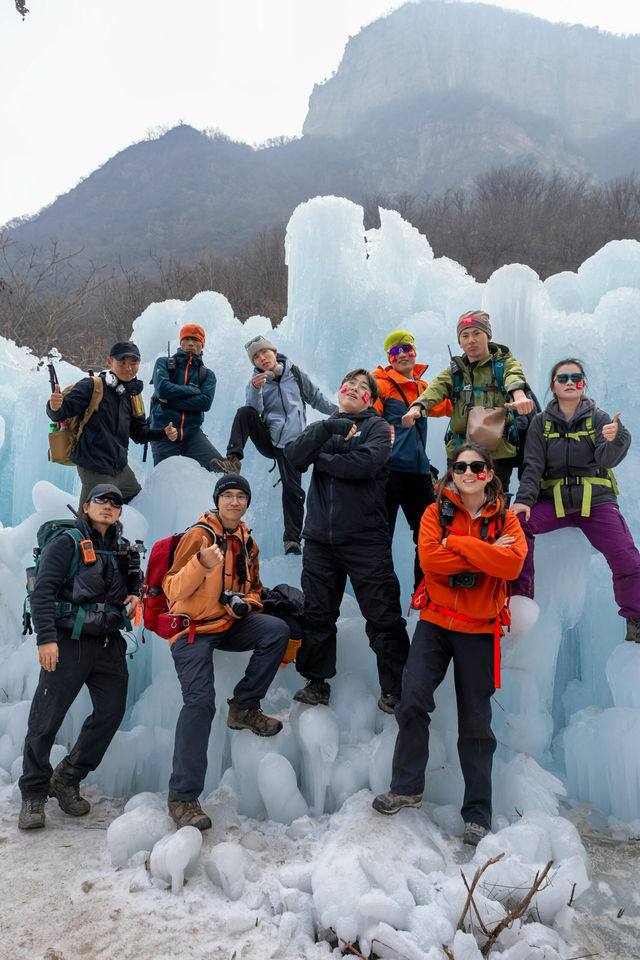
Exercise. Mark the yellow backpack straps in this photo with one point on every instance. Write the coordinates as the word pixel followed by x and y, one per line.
pixel 94 403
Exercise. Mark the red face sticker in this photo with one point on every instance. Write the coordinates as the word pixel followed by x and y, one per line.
pixel 482 475
pixel 580 385
pixel 343 388
pixel 365 397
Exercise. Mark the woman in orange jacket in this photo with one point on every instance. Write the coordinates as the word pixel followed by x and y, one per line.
pixel 469 547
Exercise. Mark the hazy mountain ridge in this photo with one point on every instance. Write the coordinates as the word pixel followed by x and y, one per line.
pixel 417 105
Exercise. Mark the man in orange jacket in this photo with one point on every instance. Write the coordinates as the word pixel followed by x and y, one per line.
pixel 215 582
pixel 409 483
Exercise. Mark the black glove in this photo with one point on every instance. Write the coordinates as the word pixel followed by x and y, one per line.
pixel 339 425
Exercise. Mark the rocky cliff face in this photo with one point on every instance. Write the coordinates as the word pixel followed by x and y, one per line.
pixel 581 79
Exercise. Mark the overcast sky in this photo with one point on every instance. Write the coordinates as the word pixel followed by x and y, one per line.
pixel 82 79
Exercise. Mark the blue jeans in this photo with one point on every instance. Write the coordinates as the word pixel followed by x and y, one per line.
pixel 267 637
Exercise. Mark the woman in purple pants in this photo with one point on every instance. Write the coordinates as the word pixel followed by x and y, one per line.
pixel 567 482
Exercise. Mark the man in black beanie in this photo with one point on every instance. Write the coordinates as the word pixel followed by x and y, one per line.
pixel 213 588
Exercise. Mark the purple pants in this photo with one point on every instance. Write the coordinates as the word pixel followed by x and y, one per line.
pixel 605 530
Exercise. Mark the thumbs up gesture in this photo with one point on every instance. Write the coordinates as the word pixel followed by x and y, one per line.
pixel 56 398
pixel 171 431
pixel 610 430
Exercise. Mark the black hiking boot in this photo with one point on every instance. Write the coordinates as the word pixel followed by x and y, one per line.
pixel 315 692
pixel 32 813
pixel 188 813
pixel 67 793
pixel 387 703
pixel 228 464
pixel 633 629
pixel 390 803
pixel 252 718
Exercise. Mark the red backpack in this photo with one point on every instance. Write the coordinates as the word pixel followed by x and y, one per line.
pixel 154 599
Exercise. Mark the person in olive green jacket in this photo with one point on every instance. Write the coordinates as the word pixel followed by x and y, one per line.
pixel 477 384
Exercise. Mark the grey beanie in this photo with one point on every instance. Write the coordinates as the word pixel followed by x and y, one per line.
pixel 257 344
pixel 475 318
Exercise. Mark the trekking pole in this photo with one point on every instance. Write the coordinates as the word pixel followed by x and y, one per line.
pixel 74 512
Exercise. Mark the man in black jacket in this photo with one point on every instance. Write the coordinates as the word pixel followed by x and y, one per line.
pixel 100 455
pixel 346 534
pixel 77 622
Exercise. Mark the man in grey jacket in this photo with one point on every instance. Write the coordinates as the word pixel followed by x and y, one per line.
pixel 275 414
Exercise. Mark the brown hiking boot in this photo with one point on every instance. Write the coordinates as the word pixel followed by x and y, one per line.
pixel 633 629
pixel 188 813
pixel 230 464
pixel 67 793
pixel 32 813
pixel 252 718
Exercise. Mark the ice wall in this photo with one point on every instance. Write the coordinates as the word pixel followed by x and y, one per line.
pixel 565 696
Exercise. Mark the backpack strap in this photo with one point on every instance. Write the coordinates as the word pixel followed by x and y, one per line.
pixel 586 482
pixel 297 375
pixel 94 403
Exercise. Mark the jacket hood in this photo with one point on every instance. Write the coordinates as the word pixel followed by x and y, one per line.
pixel 390 373
pixel 364 415
pixel 490 509
pixel 185 355
pixel 211 519
pixel 585 406
pixel 497 351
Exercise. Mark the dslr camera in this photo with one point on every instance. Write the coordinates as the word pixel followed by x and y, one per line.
pixel 236 601
pixel 465 580
pixel 135 552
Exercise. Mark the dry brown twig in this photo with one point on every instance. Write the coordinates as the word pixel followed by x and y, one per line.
pixel 474 884
pixel 518 911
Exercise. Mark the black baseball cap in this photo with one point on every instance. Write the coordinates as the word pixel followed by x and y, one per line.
pixel 105 490
pixel 124 348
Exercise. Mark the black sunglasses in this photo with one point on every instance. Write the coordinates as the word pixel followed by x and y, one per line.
pixel 476 466
pixel 107 499
pixel 565 377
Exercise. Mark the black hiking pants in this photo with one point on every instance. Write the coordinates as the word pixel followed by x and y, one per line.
pixel 413 492
pixel 247 425
pixel 103 668
pixel 432 648
pixel 368 565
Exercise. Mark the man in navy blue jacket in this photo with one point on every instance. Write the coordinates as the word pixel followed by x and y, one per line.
pixel 183 392
pixel 346 534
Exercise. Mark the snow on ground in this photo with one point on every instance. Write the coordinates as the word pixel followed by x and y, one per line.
pixel 76 904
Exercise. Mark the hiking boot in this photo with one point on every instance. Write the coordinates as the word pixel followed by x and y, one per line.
pixel 387 703
pixel 188 813
pixel 32 813
pixel 315 692
pixel 633 629
pixel 393 802
pixel 67 793
pixel 473 834
pixel 292 547
pixel 229 464
pixel 252 718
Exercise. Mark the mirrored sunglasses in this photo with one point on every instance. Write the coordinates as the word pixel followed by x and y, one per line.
pixel 565 377
pixel 107 499
pixel 407 348
pixel 476 466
